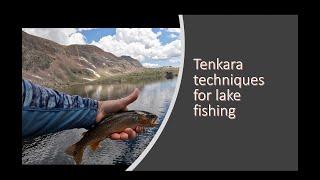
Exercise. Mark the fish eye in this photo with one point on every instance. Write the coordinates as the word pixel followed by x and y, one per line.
pixel 151 116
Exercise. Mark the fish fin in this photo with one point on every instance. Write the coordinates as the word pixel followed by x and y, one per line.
pixel 76 152
pixel 94 146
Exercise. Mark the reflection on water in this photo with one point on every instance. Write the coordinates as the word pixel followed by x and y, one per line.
pixel 155 97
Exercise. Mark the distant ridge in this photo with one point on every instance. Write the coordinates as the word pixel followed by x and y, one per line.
pixel 48 63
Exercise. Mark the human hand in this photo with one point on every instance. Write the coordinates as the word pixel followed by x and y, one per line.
pixel 113 106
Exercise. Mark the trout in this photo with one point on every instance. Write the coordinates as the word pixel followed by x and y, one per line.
pixel 111 124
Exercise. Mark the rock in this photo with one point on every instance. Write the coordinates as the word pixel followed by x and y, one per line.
pixel 169 75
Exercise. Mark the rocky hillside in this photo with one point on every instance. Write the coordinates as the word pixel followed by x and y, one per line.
pixel 51 64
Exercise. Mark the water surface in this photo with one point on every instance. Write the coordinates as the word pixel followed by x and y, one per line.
pixel 155 97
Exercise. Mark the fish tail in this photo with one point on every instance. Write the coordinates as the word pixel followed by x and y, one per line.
pixel 76 151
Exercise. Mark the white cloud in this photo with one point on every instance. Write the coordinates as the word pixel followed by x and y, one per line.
pixel 173 35
pixel 76 38
pixel 65 36
pixel 85 29
pixel 174 30
pixel 174 60
pixel 150 65
pixel 139 43
pixel 159 33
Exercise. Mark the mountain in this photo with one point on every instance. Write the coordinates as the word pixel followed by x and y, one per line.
pixel 48 63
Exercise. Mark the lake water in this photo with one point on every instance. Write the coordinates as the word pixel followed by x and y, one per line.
pixel 155 97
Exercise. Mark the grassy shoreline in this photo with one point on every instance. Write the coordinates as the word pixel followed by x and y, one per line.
pixel 147 74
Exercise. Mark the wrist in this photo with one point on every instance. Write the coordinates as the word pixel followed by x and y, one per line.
pixel 100 112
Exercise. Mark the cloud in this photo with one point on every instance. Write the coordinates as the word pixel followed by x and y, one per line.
pixel 64 36
pixel 76 38
pixel 150 65
pixel 139 43
pixel 85 29
pixel 174 30
pixel 173 35
pixel 174 60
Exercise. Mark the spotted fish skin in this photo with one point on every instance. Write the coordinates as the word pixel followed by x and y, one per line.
pixel 111 124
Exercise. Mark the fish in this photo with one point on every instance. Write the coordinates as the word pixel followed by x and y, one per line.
pixel 113 123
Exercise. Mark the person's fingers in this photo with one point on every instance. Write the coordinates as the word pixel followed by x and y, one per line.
pixel 139 129
pixel 130 98
pixel 128 133
pixel 124 136
pixel 124 109
pixel 131 133
pixel 115 136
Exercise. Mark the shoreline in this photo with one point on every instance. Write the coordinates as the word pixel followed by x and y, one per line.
pixel 135 76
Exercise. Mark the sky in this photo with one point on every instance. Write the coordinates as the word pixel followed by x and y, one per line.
pixel 153 47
